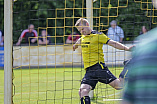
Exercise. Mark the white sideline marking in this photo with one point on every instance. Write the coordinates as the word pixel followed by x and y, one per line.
pixel 113 94
pixel 112 99
pixel 26 93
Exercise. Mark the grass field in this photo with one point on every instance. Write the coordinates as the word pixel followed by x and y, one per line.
pixel 55 86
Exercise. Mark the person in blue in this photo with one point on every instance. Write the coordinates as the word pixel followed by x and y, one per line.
pixel 44 39
pixel 1 38
pixel 115 32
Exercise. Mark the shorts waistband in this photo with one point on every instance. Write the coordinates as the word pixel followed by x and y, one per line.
pixel 92 67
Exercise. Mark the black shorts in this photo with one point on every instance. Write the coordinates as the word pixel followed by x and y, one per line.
pixel 98 72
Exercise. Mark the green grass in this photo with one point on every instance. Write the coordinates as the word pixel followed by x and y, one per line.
pixel 55 86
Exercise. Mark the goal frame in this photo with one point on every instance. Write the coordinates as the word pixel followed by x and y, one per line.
pixel 8 59
pixel 89 16
pixel 8 31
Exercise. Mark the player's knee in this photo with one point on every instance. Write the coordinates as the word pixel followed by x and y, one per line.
pixel 83 91
pixel 116 84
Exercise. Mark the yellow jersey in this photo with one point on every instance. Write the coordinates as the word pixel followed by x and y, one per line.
pixel 91 45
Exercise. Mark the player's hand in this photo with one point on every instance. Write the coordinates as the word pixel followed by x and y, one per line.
pixel 74 48
pixel 131 47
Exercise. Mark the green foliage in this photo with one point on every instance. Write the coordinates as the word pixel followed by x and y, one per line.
pixel 36 12
pixel 1 14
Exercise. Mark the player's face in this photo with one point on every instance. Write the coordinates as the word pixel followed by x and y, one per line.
pixel 31 28
pixel 84 30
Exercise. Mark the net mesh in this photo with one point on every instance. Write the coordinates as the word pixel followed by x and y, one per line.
pixel 52 73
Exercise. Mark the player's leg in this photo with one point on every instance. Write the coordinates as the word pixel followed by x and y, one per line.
pixel 105 76
pixel 117 83
pixel 88 82
pixel 83 93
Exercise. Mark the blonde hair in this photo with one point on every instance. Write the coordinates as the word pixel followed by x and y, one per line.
pixel 82 21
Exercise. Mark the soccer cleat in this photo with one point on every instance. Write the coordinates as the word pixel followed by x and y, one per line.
pixel 126 62
pixel 124 73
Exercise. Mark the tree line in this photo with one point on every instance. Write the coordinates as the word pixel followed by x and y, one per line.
pixel 130 18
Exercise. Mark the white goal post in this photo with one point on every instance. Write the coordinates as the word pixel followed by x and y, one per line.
pixel 8 31
pixel 8 27
pixel 89 15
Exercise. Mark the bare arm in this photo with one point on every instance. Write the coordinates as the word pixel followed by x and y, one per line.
pixel 40 42
pixel 46 42
pixel 75 46
pixel 43 42
pixel 34 40
pixel 119 46
pixel 19 41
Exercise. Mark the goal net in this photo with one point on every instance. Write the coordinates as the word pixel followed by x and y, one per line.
pixel 51 73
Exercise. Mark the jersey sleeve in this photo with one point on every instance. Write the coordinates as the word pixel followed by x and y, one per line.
pixel 35 33
pixel 102 38
pixel 24 33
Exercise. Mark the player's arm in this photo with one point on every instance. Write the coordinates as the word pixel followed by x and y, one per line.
pixel 75 46
pixel 119 46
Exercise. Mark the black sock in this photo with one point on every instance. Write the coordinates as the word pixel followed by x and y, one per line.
pixel 85 100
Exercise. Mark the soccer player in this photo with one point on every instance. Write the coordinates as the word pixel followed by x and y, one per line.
pixel 93 57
